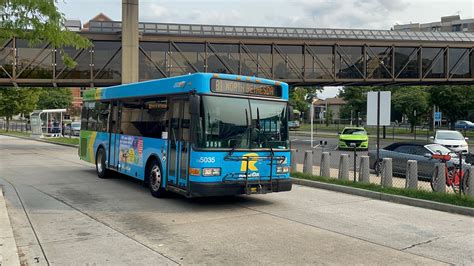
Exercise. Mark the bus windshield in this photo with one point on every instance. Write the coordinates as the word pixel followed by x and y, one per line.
pixel 240 123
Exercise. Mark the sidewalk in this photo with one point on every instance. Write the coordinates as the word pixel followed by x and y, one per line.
pixel 8 249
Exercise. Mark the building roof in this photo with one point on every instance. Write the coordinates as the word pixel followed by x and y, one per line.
pixel 99 17
pixel 329 101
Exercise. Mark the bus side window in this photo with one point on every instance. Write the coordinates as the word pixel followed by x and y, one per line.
pixel 185 123
pixel 84 116
pixel 91 116
pixel 131 118
pixel 155 112
pixel 102 112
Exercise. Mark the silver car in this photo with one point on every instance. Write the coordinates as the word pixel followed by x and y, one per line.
pixel 401 152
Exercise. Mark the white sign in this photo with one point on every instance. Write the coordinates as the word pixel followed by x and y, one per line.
pixel 385 108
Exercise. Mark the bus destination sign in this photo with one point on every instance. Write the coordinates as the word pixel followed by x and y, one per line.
pixel 247 88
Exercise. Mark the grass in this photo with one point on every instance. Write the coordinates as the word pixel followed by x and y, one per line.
pixel 453 199
pixel 63 140
pixel 15 133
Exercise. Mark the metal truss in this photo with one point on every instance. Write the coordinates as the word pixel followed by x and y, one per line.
pixel 298 62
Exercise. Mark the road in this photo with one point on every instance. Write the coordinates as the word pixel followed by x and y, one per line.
pixel 62 213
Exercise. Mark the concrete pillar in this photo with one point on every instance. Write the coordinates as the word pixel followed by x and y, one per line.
pixel 129 41
pixel 387 174
pixel 412 175
pixel 364 169
pixel 438 182
pixel 469 183
pixel 325 169
pixel 308 163
pixel 293 160
pixel 343 167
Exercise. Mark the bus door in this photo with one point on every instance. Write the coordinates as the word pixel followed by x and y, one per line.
pixel 179 143
pixel 114 137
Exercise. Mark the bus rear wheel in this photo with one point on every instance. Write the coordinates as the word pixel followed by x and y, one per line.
pixel 100 166
pixel 155 179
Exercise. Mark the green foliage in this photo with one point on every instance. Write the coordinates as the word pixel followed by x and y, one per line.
pixel 405 100
pixel 55 98
pixel 328 117
pixel 356 97
pixel 39 21
pixel 14 101
pixel 300 97
pixel 455 102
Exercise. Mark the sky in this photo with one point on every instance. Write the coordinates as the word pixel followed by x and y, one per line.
pixel 355 14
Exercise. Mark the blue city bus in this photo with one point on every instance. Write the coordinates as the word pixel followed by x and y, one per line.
pixel 197 135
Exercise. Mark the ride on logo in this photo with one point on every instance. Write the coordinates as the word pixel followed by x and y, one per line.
pixel 251 162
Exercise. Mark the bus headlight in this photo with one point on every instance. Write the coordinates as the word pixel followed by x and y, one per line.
pixel 211 171
pixel 282 169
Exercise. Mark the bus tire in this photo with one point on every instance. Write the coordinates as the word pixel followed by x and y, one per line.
pixel 154 176
pixel 100 166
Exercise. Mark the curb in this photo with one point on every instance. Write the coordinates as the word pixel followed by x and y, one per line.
pixel 387 197
pixel 40 140
pixel 8 249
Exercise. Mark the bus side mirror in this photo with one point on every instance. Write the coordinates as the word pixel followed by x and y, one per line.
pixel 291 115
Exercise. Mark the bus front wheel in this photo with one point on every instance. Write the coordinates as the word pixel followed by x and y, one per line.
pixel 100 166
pixel 155 179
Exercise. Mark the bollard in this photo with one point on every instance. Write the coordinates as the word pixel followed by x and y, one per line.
pixel 438 180
pixel 293 160
pixel 308 163
pixel 412 175
pixel 364 169
pixel 343 167
pixel 469 182
pixel 387 175
pixel 325 169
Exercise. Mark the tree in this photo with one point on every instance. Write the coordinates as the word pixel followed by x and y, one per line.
pixel 455 102
pixel 57 98
pixel 39 21
pixel 301 97
pixel 408 100
pixel 14 101
pixel 328 117
pixel 356 98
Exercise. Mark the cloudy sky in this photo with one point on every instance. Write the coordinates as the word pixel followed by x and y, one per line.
pixel 361 14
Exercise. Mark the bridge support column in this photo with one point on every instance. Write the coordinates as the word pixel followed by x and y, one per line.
pixel 129 41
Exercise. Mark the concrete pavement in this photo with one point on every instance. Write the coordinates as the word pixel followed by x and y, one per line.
pixel 61 213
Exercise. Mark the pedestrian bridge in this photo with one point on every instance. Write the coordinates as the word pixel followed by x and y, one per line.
pixel 299 56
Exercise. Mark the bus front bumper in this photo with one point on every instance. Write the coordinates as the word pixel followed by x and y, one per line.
pixel 201 189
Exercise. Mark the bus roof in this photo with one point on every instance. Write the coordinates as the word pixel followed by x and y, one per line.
pixel 179 84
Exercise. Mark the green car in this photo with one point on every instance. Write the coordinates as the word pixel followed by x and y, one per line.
pixel 353 135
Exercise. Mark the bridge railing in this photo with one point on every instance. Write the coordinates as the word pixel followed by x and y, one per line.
pixel 281 32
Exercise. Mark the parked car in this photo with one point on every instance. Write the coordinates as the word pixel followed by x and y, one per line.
pixel 72 129
pixel 401 152
pixel 464 125
pixel 451 139
pixel 353 136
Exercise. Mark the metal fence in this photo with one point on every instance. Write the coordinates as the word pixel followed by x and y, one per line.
pixel 396 131
pixel 17 126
